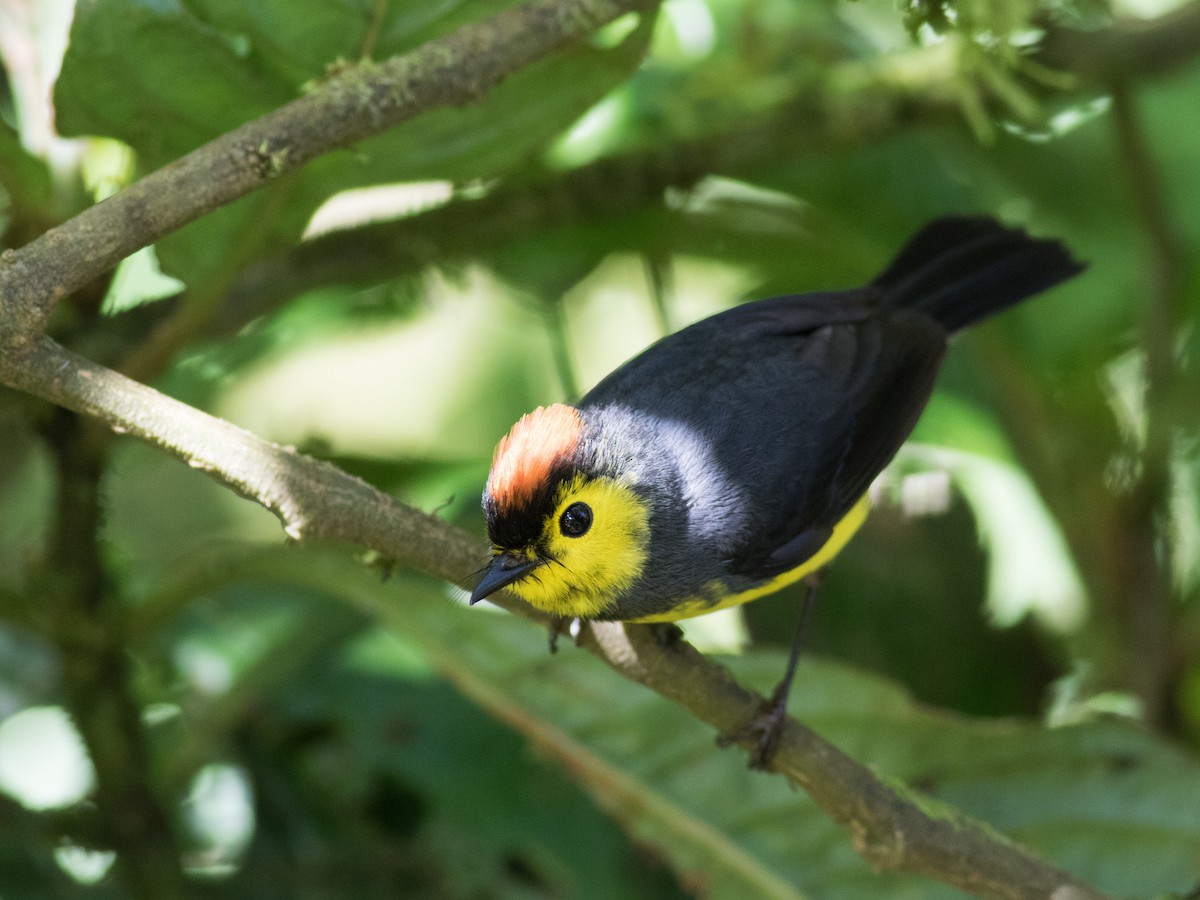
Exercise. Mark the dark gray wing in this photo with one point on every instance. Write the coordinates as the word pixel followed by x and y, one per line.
pixel 802 400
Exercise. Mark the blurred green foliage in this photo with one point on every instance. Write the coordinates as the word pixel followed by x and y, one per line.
pixel 291 724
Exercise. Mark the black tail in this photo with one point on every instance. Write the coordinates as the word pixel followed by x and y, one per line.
pixel 960 269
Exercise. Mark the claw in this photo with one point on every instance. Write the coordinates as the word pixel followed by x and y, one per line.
pixel 765 729
pixel 767 723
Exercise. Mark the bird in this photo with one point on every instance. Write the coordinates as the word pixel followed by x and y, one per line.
pixel 734 457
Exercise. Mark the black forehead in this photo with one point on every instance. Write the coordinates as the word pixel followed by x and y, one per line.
pixel 513 526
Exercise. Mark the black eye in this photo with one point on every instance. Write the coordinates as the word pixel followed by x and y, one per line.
pixel 575 520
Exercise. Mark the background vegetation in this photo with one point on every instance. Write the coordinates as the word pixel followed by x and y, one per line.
pixel 190 705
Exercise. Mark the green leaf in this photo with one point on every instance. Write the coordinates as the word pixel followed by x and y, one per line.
pixel 148 73
pixel 138 280
pixel 1102 799
pixel 478 783
pixel 293 39
pixel 26 498
pixel 24 177
pixel 373 759
pixel 157 75
pixel 28 866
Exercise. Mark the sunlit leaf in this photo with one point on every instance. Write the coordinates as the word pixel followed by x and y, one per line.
pixel 158 76
pixel 138 280
pixel 1097 798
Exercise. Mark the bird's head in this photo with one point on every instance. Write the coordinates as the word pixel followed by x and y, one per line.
pixel 569 534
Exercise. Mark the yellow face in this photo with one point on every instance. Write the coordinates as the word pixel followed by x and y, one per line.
pixel 596 542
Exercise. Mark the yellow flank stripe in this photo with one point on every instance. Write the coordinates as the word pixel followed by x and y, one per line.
pixel 842 532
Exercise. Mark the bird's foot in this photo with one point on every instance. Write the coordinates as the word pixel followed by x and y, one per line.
pixel 765 729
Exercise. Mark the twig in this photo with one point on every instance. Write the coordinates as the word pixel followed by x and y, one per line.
pixel 314 500
pixel 89 627
pixel 1145 576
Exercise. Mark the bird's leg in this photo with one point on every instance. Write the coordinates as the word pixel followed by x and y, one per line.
pixel 767 724
pixel 559 625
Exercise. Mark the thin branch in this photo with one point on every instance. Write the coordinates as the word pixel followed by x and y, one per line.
pixel 364 100
pixel 890 826
pixel 315 500
pixel 1144 585
pixel 89 628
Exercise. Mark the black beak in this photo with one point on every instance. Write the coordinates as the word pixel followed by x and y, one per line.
pixel 503 570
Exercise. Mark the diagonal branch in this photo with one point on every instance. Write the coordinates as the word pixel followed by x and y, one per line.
pixel 318 501
pixel 362 101
pixel 891 826
pixel 313 499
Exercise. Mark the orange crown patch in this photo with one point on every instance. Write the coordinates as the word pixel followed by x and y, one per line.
pixel 525 457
